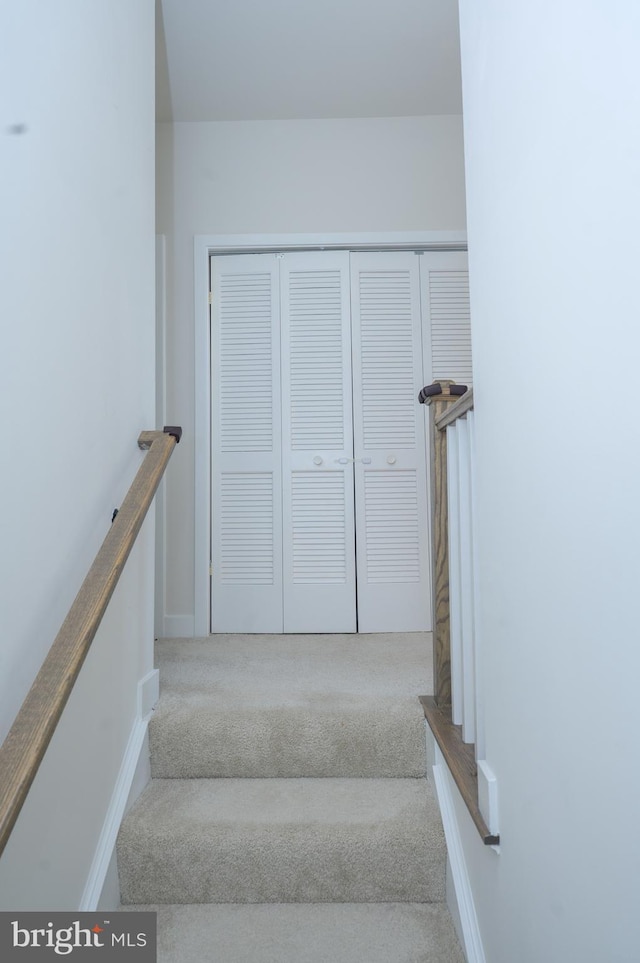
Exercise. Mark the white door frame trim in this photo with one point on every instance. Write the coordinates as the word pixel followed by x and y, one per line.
pixel 204 246
pixel 160 602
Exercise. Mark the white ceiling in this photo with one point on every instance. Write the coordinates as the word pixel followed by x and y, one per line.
pixel 286 59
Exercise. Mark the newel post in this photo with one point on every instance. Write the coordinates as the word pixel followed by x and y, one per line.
pixel 439 396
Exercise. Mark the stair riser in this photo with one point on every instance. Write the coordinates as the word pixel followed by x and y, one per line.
pixel 280 868
pixel 201 743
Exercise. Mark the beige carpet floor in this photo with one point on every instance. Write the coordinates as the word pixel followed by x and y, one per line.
pixel 307 933
pixel 289 819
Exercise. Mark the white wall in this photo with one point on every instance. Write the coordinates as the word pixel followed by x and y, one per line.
pixel 76 380
pixel 551 100
pixel 270 177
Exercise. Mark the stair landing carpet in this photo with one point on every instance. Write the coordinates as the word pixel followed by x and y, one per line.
pixel 289 819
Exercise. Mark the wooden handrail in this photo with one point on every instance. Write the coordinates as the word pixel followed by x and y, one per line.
pixel 28 739
pixel 455 411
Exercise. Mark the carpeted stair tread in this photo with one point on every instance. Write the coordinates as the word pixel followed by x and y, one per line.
pixel 306 933
pixel 282 841
pixel 282 667
pixel 291 706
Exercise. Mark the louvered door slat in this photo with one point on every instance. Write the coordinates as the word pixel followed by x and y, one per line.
pixel 386 321
pixel 445 287
pixel 392 541
pixel 315 358
pixel 246 528
pixel 318 529
pixel 244 330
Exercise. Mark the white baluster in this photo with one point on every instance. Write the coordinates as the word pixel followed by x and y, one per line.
pixel 453 492
pixel 480 738
pixel 466 584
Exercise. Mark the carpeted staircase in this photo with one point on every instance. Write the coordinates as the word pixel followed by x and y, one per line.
pixel 289 819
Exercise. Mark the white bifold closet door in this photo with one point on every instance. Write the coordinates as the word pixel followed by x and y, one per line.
pixel 283 531
pixel 246 542
pixel 319 576
pixel 319 453
pixel 392 526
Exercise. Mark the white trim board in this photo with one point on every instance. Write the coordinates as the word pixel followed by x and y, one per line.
pixel 360 241
pixel 129 780
pixel 473 948
pixel 180 626
pixel 204 246
pixel 160 587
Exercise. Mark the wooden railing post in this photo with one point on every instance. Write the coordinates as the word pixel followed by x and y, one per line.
pixel 450 404
pixel 439 396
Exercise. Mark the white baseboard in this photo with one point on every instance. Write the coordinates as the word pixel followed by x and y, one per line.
pixel 472 941
pixel 148 693
pixel 178 627
pixel 133 772
pixel 452 902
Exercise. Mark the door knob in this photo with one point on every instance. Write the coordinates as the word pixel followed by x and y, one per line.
pixel 317 460
pixel 391 459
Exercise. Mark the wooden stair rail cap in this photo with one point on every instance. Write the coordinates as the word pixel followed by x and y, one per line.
pixel 444 390
pixel 451 413
pixel 27 741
